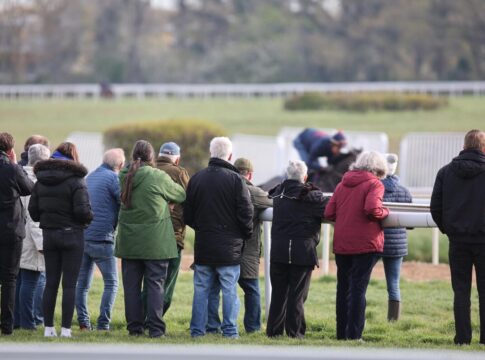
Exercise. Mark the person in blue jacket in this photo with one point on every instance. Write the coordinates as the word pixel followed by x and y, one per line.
pixel 104 192
pixel 312 144
pixel 395 240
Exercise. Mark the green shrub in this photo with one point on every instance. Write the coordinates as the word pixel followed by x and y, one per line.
pixel 193 137
pixel 365 102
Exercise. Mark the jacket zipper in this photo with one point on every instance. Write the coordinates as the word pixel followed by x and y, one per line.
pixel 289 252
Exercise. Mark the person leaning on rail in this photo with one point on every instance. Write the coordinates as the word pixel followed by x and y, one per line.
pixel 458 208
pixel 358 240
pixel 395 240
pixel 297 216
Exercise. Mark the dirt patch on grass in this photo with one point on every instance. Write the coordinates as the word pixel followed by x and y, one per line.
pixel 410 271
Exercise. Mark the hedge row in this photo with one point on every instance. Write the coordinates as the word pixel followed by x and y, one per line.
pixel 193 137
pixel 365 102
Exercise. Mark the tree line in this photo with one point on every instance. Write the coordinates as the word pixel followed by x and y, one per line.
pixel 241 41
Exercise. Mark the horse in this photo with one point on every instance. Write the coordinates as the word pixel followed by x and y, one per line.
pixel 327 178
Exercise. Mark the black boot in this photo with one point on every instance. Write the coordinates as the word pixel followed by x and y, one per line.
pixel 393 310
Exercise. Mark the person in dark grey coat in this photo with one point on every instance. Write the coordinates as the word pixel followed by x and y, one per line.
pixel 218 207
pixel 14 183
pixel 249 277
pixel 458 208
pixel 395 240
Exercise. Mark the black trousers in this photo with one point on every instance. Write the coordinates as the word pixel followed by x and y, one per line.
pixel 63 253
pixel 290 290
pixel 462 258
pixel 153 273
pixel 10 252
pixel 353 275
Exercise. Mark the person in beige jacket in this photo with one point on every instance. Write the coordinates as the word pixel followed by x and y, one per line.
pixel 32 260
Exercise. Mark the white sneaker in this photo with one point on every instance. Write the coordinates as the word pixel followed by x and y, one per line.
pixel 66 333
pixel 50 331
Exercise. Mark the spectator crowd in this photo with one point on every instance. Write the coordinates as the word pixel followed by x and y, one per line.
pixel 57 222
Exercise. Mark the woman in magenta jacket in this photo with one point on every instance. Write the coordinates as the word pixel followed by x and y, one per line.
pixel 356 207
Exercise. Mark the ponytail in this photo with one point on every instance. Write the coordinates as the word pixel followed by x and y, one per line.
pixel 142 153
pixel 127 186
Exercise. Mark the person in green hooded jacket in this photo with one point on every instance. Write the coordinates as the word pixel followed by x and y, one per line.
pixel 146 240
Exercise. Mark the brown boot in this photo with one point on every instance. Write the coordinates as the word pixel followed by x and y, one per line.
pixel 393 310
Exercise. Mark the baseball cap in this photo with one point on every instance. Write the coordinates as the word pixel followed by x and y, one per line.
pixel 170 148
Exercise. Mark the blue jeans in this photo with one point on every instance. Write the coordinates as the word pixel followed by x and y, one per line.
pixel 392 268
pixel 39 294
pixel 304 155
pixel 101 254
pixel 24 299
pixel 252 306
pixel 204 278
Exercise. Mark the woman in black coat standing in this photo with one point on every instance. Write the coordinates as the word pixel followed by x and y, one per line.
pixel 60 202
pixel 297 216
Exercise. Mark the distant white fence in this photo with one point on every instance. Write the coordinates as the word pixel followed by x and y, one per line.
pixel 54 91
pixel 423 154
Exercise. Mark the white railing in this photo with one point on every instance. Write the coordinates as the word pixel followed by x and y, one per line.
pixel 452 88
pixel 414 215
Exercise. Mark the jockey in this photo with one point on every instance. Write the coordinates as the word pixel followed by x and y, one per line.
pixel 313 144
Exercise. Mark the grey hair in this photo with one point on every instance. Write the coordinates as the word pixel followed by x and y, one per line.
pixel 38 152
pixel 296 170
pixel 221 147
pixel 172 158
pixel 371 161
pixel 114 158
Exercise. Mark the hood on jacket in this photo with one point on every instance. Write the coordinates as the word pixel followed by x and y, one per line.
pixel 354 178
pixel 468 164
pixel 52 172
pixel 390 183
pixel 293 189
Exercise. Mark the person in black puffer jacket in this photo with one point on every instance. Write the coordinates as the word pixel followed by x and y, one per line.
pixel 297 216
pixel 458 208
pixel 60 202
pixel 395 240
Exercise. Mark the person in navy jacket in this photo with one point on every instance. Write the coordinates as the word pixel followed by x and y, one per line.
pixel 395 239
pixel 104 192
pixel 312 144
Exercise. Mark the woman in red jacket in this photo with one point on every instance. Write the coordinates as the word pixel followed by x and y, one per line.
pixel 356 207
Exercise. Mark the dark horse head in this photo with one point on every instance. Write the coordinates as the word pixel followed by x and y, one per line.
pixel 325 179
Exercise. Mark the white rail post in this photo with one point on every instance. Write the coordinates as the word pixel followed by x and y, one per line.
pixel 325 249
pixel 267 280
pixel 435 246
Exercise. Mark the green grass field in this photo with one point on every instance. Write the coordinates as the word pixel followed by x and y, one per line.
pixel 427 319
pixel 427 315
pixel 57 118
